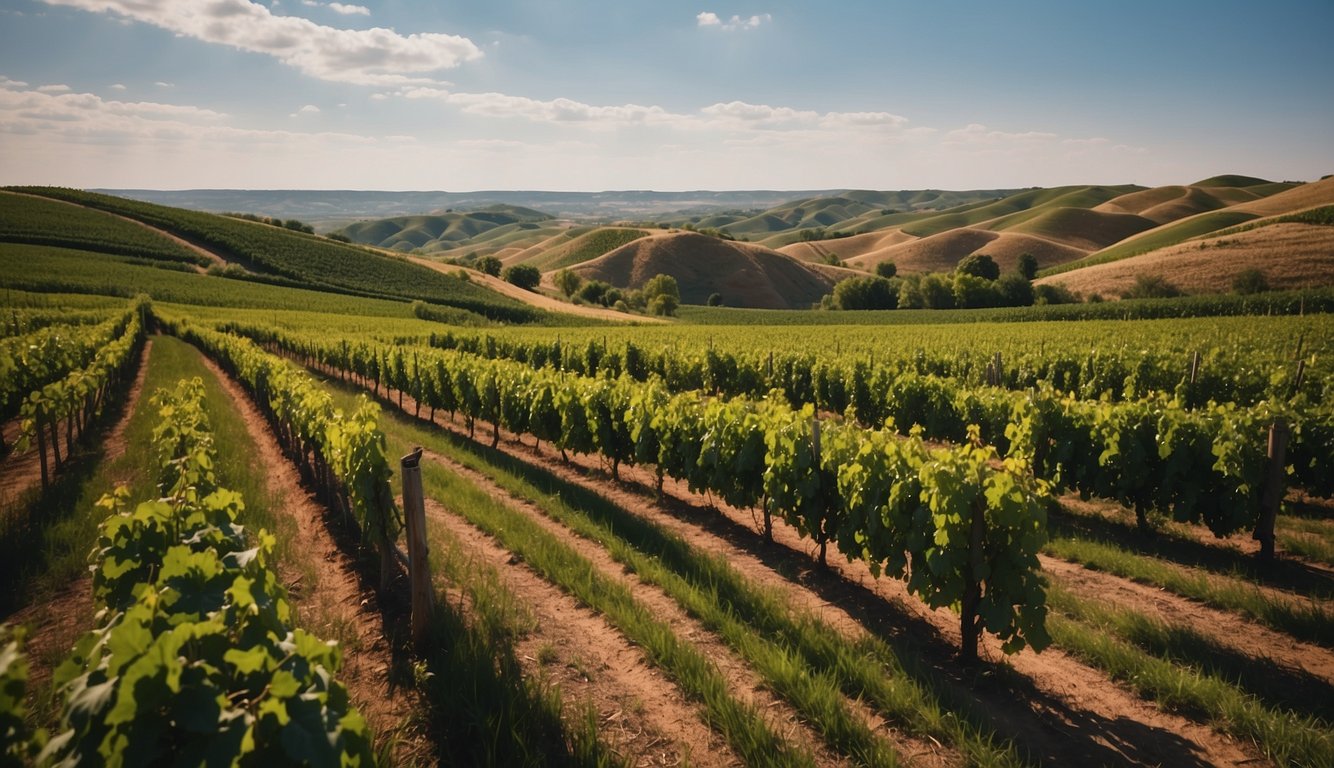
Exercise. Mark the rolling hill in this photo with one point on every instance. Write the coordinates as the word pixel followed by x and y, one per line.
pixel 439 232
pixel 744 274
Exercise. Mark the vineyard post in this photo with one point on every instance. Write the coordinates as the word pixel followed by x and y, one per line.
pixel 970 629
pixel 41 444
pixel 1194 366
pixel 1273 490
pixel 419 573
pixel 1297 380
pixel 996 361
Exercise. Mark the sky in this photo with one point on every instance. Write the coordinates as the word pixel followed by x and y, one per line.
pixel 640 94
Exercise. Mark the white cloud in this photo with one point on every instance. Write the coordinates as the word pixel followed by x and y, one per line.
pixel 350 10
pixel 736 23
pixel 59 88
pixel 309 109
pixel 374 56
pixel 978 134
pixel 562 110
pixel 117 86
pixel 164 84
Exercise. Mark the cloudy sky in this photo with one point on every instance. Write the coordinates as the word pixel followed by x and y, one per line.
pixel 636 94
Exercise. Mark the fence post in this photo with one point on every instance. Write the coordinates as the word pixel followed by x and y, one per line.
pixel 419 572
pixel 1194 366
pixel 1272 498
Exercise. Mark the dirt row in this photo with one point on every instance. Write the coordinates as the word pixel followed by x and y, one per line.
pixel 1064 712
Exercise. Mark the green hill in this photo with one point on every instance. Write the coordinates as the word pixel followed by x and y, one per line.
pixel 442 231
pixel 585 247
pixel 306 260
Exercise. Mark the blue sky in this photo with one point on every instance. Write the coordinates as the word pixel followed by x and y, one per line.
pixel 593 95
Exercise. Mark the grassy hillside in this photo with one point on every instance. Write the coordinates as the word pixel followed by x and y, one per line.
pixel 1030 202
pixel 306 259
pixel 743 274
pixel 586 247
pixel 40 221
pixel 438 232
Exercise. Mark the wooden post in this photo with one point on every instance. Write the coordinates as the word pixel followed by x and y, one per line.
pixel 1301 374
pixel 970 628
pixel 1194 366
pixel 996 361
pixel 1274 486
pixel 419 572
pixel 41 447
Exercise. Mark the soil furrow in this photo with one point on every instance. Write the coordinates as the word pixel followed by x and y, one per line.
pixel 337 602
pixel 745 683
pixel 642 715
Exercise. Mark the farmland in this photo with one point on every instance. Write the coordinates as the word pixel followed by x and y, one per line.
pixel 1025 536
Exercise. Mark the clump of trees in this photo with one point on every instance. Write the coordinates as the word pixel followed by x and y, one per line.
pixel 292 224
pixel 659 296
pixel 976 282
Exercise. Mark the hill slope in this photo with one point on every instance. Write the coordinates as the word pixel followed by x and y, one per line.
pixel 745 275
pixel 438 232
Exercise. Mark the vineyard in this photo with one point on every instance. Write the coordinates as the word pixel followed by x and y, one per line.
pixel 1031 543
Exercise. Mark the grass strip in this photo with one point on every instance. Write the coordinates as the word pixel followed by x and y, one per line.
pixel 1303 622
pixel 1278 687
pixel 484 710
pixel 784 647
pixel 1286 738
pixel 741 724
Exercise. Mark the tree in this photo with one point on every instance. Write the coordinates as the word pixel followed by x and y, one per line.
pixel 1053 293
pixel 886 269
pixel 937 292
pixel 567 282
pixel 664 304
pixel 661 285
pixel 866 293
pixel 594 292
pixel 979 265
pixel 1250 281
pixel 1028 265
pixel 910 293
pixel 972 292
pixel 526 276
pixel 490 265
pixel 1015 290
pixel 1151 287
pixel 715 300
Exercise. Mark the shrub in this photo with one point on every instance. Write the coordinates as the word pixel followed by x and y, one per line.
pixel 1028 265
pixel 886 269
pixel 567 282
pixel 1053 294
pixel 1151 287
pixel 490 265
pixel 715 300
pixel 1250 281
pixel 1015 290
pixel 972 292
pixel 865 293
pixel 526 276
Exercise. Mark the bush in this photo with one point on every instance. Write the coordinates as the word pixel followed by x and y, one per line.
pixel 972 292
pixel 937 292
pixel 594 292
pixel 979 265
pixel 567 282
pixel 857 293
pixel 664 304
pixel 1151 287
pixel 1250 281
pixel 1053 294
pixel 490 265
pixel 526 276
pixel 1015 290
pixel 886 269
pixel 715 300
pixel 661 285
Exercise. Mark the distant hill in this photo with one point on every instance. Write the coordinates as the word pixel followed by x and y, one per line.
pixel 586 246
pixel 442 231
pixel 745 275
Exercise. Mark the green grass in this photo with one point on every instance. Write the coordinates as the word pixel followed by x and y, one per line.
pixel 587 247
pixel 1309 623
pixel 1288 739
pixel 38 221
pixel 311 260
pixel 803 659
pixel 46 269
pixel 742 725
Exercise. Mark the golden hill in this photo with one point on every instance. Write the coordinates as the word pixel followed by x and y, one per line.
pixel 1291 255
pixel 744 274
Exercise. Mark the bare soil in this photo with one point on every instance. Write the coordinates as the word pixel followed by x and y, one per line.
pixel 336 604
pixel 1055 707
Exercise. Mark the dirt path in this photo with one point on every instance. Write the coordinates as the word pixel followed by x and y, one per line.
pixel 642 716
pixel 22 472
pixel 1058 708
pixel 539 300
pixel 210 255
pixel 56 623
pixel 336 604
pixel 744 683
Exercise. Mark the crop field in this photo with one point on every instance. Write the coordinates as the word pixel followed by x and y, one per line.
pixel 999 541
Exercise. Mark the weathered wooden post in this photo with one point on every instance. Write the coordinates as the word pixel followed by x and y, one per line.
pixel 1273 489
pixel 1194 366
pixel 419 571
